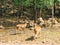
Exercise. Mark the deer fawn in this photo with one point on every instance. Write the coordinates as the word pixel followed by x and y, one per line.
pixel 21 27
pixel 37 29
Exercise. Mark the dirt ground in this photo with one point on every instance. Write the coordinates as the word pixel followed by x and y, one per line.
pixel 48 36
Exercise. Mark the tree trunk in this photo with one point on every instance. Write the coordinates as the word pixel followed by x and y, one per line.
pixel 35 16
pixel 53 9
pixel 19 12
pixel 40 12
pixel 53 12
pixel 35 19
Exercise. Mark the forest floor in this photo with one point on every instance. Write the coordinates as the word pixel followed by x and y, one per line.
pixel 48 36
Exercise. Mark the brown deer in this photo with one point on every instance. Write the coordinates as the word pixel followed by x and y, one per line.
pixel 21 26
pixel 37 30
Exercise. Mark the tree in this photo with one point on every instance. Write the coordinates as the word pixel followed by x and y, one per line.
pixel 51 4
pixel 37 4
pixel 18 4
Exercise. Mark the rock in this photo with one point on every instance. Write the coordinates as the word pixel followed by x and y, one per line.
pixel 2 27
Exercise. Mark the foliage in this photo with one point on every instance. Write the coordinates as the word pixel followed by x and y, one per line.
pixel 58 1
pixel 38 4
pixel 48 3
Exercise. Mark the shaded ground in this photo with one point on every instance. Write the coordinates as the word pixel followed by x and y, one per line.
pixel 46 37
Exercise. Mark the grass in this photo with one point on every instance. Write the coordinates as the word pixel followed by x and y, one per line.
pixel 45 35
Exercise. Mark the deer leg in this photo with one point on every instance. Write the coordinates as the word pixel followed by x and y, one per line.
pixel 36 33
pixel 17 28
pixel 22 30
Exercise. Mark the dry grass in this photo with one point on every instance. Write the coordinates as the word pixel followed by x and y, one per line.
pixel 47 36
